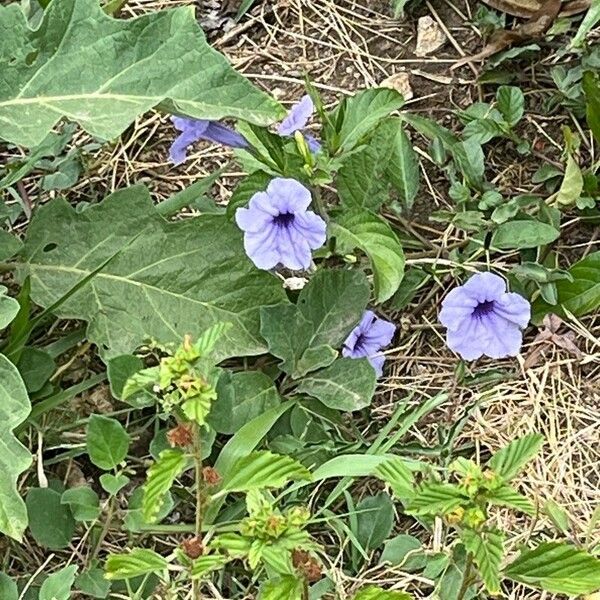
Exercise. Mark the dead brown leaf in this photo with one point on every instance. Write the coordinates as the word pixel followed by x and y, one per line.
pixel 549 336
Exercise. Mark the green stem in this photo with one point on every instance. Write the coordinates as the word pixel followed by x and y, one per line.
pixel 199 499
pixel 466 581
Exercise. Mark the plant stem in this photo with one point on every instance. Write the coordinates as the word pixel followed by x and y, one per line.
pixel 199 498
pixel 318 203
pixel 466 581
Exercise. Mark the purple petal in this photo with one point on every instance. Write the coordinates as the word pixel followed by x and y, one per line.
pixel 503 337
pixel 377 364
pixel 215 132
pixel 381 333
pixel 484 287
pixel 468 340
pixel 457 306
pixel 262 249
pixel 294 251
pixel 288 195
pixel 312 228
pixel 313 144
pixel 514 308
pixel 298 116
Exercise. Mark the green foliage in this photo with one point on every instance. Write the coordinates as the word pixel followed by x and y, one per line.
pixel 139 561
pixel 557 568
pixel 398 476
pixel 14 458
pixel 523 234
pixel 177 71
pixel 376 593
pixel 287 587
pixel 51 523
pixel 161 475
pixel 511 459
pixel 436 498
pixel 83 502
pixel 107 442
pixel 374 519
pixel 375 237
pixel 125 249
pixel 9 308
pixel 591 88
pixel 8 588
pixel 487 548
pixel 92 582
pixel 58 585
pixel 35 366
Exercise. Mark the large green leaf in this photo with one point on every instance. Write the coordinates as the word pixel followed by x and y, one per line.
pixel 374 520
pixel 487 548
pixel 58 585
pixel 523 234
pixel 107 442
pixel 287 587
pixel 580 296
pixel 374 236
pixel 436 498
pixel 14 457
pixel 304 336
pixel 103 72
pixel 9 307
pixel 51 523
pixel 348 384
pixel 140 561
pixel 154 279
pixel 508 461
pixel 557 568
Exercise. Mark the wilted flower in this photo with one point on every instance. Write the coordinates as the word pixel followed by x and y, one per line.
pixel 368 338
pixel 482 318
pixel 193 130
pixel 278 227
pixel 297 119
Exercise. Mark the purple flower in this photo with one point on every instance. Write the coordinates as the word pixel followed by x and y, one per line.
pixel 482 318
pixel 278 227
pixel 297 119
pixel 368 338
pixel 193 130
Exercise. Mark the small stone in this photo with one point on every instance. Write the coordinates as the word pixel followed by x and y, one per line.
pixel 399 82
pixel 430 36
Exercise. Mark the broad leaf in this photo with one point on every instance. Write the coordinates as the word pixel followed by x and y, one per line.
pixel 374 519
pixel 36 367
pixel 107 442
pixel 139 561
pixel 133 257
pixel 376 593
pixel 591 88
pixel 436 498
pixel 374 236
pixel 396 551
pixel 9 307
pixel 8 588
pixel 113 484
pixel 284 588
pixel 581 296
pixel 58 585
pixel 571 187
pixel 263 470
pixel 9 245
pixel 521 234
pixel 51 523
pixel 506 496
pixel 120 370
pixel 83 501
pixel 510 101
pixel 509 461
pixel 558 568
pixel 157 59
pixel 487 548
pixel 161 475
pixel 205 564
pixel 348 384
pixel 398 476
pixel 240 398
pixel 362 112
pixel 14 458
pixel 92 582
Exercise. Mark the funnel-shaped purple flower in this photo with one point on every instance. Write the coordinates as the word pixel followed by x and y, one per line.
pixel 193 130
pixel 368 338
pixel 278 227
pixel 483 319
pixel 297 120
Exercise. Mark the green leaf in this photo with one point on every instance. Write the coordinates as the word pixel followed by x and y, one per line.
pixel 374 519
pixel 122 370
pixel 138 384
pixel 328 307
pixel 166 270
pixel 374 236
pixel 113 484
pixel 591 89
pixel 376 593
pixel 58 585
pixel 107 442
pixel 287 587
pixel 8 588
pixel 511 459
pixel 362 112
pixel 14 458
pixel 402 165
pixel 161 476
pixel 255 182
pixel 240 398
pixel 160 58
pixel 398 476
pixel 580 296
pixel 571 187
pixel 510 101
pixel 9 245
pixel 506 496
pixel 92 583
pixel 436 499
pixel 482 130
pixel 205 564
pixel 51 523
pixel 591 19
pixel 414 279
pixel 134 520
pixel 348 384
pixel 487 548
pixel 399 7
pixel 83 501
pixel 523 234
pixel 263 470
pixel 558 515
pixel 397 550
pixel 557 568
pixel 139 561
pixel 9 307
pixel 36 367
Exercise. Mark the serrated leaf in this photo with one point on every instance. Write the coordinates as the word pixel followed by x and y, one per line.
pixel 376 593
pixel 436 498
pixel 509 461
pixel 506 496
pixel 374 236
pixel 107 442
pixel 14 458
pixel 159 58
pixel 165 270
pixel 58 585
pixel 240 398
pixel 205 564
pixel 284 588
pixel 160 479
pixel 362 112
pixel 139 561
pixel 208 339
pixel 138 383
pixel 520 234
pixel 263 469
pixel 510 101
pixel 398 476
pixel 83 501
pixel 9 307
pixel 348 384
pixel 487 548
pixel 557 568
